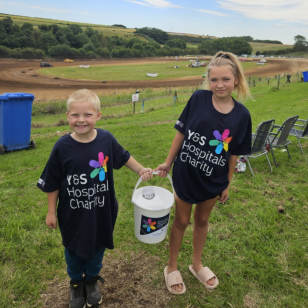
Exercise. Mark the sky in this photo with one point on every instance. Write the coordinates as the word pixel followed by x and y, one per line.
pixel 262 19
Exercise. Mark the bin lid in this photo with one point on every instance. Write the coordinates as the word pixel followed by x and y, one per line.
pixel 7 96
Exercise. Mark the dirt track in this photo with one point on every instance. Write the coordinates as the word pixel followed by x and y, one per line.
pixel 21 76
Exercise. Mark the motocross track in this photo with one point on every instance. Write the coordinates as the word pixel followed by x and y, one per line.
pixel 23 76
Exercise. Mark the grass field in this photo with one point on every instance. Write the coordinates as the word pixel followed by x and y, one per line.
pixel 192 45
pixel 259 255
pixel 130 72
pixel 264 47
pixel 107 30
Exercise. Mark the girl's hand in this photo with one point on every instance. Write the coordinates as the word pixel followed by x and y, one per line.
pixel 224 195
pixel 164 169
pixel 146 174
pixel 51 221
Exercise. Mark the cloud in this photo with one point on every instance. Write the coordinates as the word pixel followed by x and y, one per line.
pixel 138 2
pixel 211 12
pixel 155 3
pixel 282 10
pixel 47 9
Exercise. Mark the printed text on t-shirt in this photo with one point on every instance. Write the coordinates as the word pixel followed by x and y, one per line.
pixel 90 196
pixel 201 156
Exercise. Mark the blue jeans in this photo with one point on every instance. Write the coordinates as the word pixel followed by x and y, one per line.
pixel 77 266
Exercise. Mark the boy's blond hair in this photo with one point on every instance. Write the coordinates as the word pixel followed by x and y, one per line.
pixel 84 95
pixel 228 58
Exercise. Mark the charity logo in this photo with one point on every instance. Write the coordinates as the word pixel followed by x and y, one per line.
pixel 100 166
pixel 149 224
pixel 222 141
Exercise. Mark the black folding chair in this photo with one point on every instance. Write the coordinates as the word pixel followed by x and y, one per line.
pixel 279 139
pixel 300 131
pixel 259 139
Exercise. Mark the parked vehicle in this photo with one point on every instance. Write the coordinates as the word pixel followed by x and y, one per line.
pixel 152 74
pixel 45 64
pixel 68 60
pixel 203 64
pixel 196 64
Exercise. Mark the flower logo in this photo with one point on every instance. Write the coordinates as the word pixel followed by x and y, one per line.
pixel 100 166
pixel 222 141
pixel 149 224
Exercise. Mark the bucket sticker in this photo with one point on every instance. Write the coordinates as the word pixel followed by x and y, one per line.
pixel 153 227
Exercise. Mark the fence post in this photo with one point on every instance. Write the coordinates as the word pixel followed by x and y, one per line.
pixel 254 83
pixel 134 107
pixel 142 106
pixel 268 81
pixel 175 98
pixel 278 83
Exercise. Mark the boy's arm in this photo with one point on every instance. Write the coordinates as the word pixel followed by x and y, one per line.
pixel 51 218
pixel 132 164
pixel 225 194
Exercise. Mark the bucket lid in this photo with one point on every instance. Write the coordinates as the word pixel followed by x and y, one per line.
pixel 162 200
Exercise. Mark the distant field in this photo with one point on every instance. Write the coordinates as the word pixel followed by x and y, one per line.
pixel 129 72
pixel 107 30
pixel 263 47
pixel 192 45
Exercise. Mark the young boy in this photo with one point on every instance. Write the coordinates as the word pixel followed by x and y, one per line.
pixel 78 177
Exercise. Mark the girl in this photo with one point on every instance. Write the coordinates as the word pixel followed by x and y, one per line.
pixel 213 130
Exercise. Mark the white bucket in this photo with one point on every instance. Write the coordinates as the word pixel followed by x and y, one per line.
pixel 152 207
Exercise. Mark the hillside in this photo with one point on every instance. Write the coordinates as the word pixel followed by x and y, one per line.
pixel 106 30
pixel 192 40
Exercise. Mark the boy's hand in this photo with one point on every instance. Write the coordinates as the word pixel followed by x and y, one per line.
pixel 164 169
pixel 146 174
pixel 51 221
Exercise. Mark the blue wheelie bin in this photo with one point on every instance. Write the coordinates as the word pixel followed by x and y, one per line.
pixel 15 121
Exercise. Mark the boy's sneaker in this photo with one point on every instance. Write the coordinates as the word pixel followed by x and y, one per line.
pixel 94 296
pixel 77 294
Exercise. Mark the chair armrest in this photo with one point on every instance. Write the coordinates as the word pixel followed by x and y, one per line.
pixel 273 134
pixel 276 125
pixel 298 125
pixel 300 120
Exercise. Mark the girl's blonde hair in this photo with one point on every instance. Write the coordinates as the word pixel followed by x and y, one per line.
pixel 84 95
pixel 227 58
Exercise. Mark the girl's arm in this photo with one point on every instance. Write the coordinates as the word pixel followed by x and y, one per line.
pixel 51 218
pixel 132 164
pixel 225 194
pixel 174 150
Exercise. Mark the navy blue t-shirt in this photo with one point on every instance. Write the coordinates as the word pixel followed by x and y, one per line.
pixel 83 173
pixel 201 169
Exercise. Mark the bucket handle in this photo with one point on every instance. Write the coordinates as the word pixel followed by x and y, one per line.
pixel 154 172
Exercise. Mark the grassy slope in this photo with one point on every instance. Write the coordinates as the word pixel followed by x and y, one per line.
pixel 263 47
pixel 110 30
pixel 259 255
pixel 107 30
